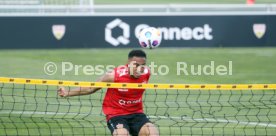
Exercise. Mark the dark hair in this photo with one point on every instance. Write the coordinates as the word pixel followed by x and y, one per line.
pixel 137 53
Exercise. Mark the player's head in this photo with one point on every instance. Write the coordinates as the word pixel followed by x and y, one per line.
pixel 136 61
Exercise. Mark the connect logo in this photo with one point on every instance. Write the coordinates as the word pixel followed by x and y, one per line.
pixel 122 39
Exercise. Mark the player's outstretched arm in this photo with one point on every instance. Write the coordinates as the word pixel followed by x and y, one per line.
pixel 62 92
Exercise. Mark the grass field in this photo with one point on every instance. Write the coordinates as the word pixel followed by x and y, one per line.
pixel 250 65
pixel 179 1
pixel 157 1
pixel 36 110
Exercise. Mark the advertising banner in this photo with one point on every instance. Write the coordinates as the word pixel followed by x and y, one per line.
pixel 122 31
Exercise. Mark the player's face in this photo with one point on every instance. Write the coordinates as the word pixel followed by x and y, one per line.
pixel 136 66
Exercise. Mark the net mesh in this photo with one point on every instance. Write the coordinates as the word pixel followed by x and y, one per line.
pixel 37 110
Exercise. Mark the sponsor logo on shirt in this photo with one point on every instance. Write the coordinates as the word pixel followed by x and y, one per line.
pixel 124 102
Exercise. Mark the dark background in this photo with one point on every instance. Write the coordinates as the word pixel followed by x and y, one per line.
pixel 88 31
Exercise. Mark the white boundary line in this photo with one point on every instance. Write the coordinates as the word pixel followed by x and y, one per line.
pixel 138 10
pixel 206 120
pixel 214 120
pixel 40 113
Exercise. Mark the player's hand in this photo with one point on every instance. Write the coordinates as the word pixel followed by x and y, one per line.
pixel 62 92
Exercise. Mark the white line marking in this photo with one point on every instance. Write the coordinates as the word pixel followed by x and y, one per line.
pixel 217 121
pixel 39 113
pixel 213 120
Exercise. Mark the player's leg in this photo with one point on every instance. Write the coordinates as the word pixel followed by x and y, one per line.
pixel 149 129
pixel 141 125
pixel 118 126
pixel 120 132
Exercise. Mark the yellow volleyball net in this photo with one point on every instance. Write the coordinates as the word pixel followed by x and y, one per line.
pixel 32 107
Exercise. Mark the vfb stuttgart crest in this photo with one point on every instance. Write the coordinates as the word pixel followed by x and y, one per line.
pixel 259 30
pixel 58 31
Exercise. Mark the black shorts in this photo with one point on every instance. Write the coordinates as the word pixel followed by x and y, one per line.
pixel 132 122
